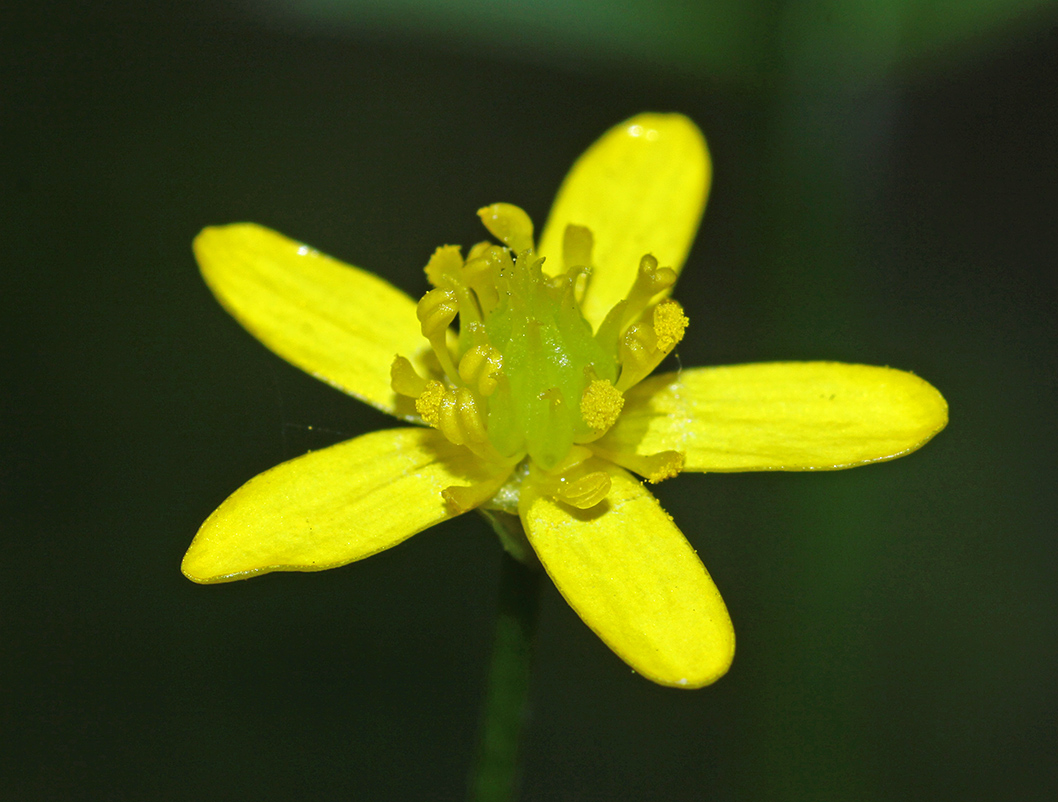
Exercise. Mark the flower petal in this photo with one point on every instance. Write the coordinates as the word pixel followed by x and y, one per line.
pixel 333 506
pixel 634 579
pixel 779 416
pixel 641 188
pixel 339 323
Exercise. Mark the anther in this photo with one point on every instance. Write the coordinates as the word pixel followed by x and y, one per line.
pixel 644 346
pixel 479 368
pixel 510 225
pixel 404 380
pixel 428 405
pixel 577 243
pixel 484 264
pixel 636 354
pixel 465 498
pixel 445 261
pixel 653 467
pixel 448 419
pixel 585 492
pixel 469 417
pixel 600 405
pixel 436 311
pixel 669 324
pixel 651 279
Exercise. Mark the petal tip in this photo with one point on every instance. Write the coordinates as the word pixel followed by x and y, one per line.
pixel 705 669
pixel 211 237
pixel 193 568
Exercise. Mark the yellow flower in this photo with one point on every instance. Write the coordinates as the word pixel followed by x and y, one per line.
pixel 541 404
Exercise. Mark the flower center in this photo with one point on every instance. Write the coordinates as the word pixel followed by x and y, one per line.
pixel 526 375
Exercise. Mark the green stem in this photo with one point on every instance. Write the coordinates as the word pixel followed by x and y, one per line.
pixel 507 689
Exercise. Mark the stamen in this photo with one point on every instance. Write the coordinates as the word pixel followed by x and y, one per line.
pixel 448 419
pixel 650 281
pixel 479 368
pixel 509 224
pixel 446 261
pixel 635 354
pixel 585 492
pixel 469 418
pixel 653 467
pixel 428 405
pixel 484 264
pixel 465 498
pixel 669 324
pixel 457 414
pixel 644 346
pixel 404 379
pixel 577 243
pixel 571 481
pixel 601 405
pixel 609 331
pixel 436 311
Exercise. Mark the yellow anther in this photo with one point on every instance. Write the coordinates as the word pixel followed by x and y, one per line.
pixel 577 243
pixel 644 346
pixel 468 414
pixel 483 260
pixel 586 491
pixel 465 498
pixel 479 368
pixel 462 499
pixel 663 465
pixel 572 482
pixel 404 380
pixel 572 466
pixel 484 264
pixel 654 467
pixel 609 332
pixel 600 405
pixel 651 279
pixel 436 311
pixel 509 224
pixel 669 324
pixel 636 353
pixel 446 261
pixel 456 414
pixel 448 419
pixel 429 403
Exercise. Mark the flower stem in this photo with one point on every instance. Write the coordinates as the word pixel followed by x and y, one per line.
pixel 507 689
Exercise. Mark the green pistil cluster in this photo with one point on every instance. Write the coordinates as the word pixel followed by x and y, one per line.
pixel 527 376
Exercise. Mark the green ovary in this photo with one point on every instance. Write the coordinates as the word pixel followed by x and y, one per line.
pixel 549 358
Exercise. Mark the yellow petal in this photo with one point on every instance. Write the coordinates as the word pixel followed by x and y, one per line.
pixel 339 323
pixel 333 506
pixel 634 579
pixel 780 416
pixel 641 188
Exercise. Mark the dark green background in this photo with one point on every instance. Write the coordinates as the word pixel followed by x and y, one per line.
pixel 896 624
